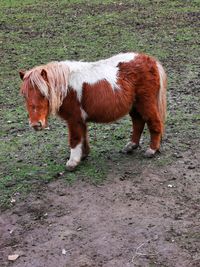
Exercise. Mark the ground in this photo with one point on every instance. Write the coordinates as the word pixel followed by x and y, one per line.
pixel 114 210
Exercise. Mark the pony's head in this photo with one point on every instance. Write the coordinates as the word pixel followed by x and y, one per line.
pixel 37 104
pixel 44 89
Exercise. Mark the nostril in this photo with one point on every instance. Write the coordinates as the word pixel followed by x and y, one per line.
pixel 39 124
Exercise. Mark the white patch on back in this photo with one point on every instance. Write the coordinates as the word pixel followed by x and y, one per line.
pixel 93 72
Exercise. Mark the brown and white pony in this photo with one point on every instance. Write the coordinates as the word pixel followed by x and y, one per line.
pixel 101 91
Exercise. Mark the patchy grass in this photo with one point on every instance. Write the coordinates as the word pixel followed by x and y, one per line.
pixel 35 32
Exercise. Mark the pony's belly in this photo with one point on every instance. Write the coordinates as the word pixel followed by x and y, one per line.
pixel 106 114
pixel 104 109
pixel 102 103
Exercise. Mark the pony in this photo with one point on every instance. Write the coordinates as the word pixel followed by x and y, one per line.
pixel 102 92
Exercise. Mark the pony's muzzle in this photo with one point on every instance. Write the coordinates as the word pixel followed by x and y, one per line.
pixel 37 126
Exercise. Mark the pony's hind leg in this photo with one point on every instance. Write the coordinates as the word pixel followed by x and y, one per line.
pixel 154 123
pixel 155 128
pixel 138 126
pixel 146 113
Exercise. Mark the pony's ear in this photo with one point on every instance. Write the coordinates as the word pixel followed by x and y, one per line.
pixel 44 75
pixel 21 74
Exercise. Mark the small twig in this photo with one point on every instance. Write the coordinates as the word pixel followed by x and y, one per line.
pixel 140 254
pixel 136 252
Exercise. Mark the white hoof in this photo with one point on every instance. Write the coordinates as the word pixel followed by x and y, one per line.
pixel 150 153
pixel 71 164
pixel 130 146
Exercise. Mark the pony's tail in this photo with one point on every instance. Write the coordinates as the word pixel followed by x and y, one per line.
pixel 162 102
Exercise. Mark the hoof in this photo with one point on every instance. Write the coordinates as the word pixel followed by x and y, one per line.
pixel 150 153
pixel 71 165
pixel 130 146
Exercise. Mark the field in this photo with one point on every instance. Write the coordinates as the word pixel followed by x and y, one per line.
pixel 114 210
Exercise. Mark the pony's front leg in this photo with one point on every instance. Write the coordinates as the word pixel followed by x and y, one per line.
pixel 78 143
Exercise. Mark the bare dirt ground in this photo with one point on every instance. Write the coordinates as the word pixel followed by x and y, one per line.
pixel 136 218
pixel 143 214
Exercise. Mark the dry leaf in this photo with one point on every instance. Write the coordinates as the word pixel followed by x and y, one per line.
pixel 64 251
pixel 12 200
pixel 13 257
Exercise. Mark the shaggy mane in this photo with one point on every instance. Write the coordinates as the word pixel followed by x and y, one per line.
pixel 55 90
